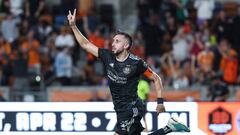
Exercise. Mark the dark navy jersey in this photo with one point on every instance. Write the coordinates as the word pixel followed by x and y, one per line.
pixel 123 78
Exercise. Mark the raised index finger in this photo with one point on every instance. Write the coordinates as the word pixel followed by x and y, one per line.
pixel 69 12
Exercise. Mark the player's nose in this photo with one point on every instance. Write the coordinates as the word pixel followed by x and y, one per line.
pixel 113 45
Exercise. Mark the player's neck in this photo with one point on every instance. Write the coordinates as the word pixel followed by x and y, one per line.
pixel 122 56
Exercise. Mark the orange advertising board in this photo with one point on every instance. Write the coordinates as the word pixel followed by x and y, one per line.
pixel 219 118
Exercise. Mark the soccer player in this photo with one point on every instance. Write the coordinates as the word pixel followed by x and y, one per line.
pixel 123 71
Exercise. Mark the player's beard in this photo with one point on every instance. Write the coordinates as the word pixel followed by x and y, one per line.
pixel 118 52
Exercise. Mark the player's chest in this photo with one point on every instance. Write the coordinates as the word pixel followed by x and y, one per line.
pixel 122 69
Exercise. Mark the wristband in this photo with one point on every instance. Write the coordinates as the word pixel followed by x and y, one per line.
pixel 159 100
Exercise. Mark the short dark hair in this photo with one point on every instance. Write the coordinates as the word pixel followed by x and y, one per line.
pixel 127 36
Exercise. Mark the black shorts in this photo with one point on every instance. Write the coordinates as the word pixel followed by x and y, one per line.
pixel 129 121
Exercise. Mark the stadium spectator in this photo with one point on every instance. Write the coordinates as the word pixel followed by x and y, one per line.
pixel 9 28
pixel 143 11
pixel 63 66
pixel 51 48
pixel 221 26
pixel 196 45
pixel 181 11
pixel 33 9
pixel 96 37
pixel 64 39
pixel 5 52
pixel 217 50
pixel 218 90
pixel 153 64
pixel 24 27
pixel 204 10
pixel 5 6
pixel 31 46
pixel 188 70
pixel 171 26
pixel 205 63
pixel 16 7
pixel 85 7
pixel 181 46
pixel 44 28
pixel 139 45
pixel 47 70
pixel 170 68
pixel 205 59
pixel 152 35
pixel 229 64
pixel 179 79
pixel 21 82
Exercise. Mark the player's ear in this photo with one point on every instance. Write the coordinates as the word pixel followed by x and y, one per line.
pixel 126 46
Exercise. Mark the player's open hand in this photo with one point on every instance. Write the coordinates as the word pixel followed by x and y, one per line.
pixel 160 108
pixel 71 17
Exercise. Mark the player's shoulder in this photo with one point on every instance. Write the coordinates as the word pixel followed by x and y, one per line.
pixel 140 63
pixel 134 57
pixel 136 60
pixel 105 52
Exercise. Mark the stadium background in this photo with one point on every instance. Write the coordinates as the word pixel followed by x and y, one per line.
pixel 192 44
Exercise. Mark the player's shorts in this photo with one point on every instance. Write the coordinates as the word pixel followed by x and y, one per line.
pixel 129 121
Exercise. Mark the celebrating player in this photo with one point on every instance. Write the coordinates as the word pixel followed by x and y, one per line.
pixel 123 71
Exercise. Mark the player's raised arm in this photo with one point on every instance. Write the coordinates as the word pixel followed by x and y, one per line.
pixel 158 87
pixel 83 42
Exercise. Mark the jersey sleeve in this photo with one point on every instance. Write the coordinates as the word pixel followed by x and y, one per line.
pixel 104 55
pixel 142 66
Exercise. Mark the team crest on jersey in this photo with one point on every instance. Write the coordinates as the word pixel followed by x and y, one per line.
pixel 126 70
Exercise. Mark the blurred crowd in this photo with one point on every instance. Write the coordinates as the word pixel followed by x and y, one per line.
pixel 187 42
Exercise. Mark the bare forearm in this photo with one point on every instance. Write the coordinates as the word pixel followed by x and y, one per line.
pixel 82 40
pixel 156 80
pixel 158 85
